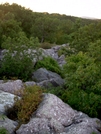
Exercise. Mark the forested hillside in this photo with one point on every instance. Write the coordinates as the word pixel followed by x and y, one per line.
pixel 82 72
pixel 52 28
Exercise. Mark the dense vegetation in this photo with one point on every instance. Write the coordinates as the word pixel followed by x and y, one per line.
pixel 21 29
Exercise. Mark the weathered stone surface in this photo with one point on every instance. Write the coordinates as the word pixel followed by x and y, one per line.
pixel 85 126
pixel 6 100
pixel 41 126
pixel 11 86
pixel 43 74
pixel 8 124
pixel 51 83
pixel 53 52
pixel 53 116
pixel 61 60
pixel 30 83
pixel 55 108
pixel 46 78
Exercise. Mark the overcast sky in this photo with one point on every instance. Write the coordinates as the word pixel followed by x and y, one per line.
pixel 80 8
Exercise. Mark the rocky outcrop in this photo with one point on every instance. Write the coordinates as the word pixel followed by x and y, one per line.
pixel 55 117
pixel 11 86
pixel 47 78
pixel 6 101
pixel 53 52
pixel 38 54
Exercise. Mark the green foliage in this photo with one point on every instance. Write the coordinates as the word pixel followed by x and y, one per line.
pixel 50 64
pixel 24 107
pixel 47 27
pixel 3 131
pixel 82 72
pixel 58 91
pixel 94 50
pixel 17 66
pixel 83 84
pixel 93 132
pixel 17 61
pixel 20 42
pixel 66 51
pixel 82 37
pixel 82 101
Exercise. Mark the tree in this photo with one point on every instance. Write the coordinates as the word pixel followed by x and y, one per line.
pixel 44 28
pixel 9 27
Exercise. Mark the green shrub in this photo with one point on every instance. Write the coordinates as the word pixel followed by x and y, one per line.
pixel 18 61
pixel 3 131
pixel 66 51
pixel 58 91
pixel 82 72
pixel 82 101
pixel 24 107
pixel 50 64
pixel 83 84
pixel 17 66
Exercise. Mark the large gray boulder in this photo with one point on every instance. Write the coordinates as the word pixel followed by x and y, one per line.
pixel 53 116
pixel 6 101
pixel 54 108
pixel 11 86
pixel 47 78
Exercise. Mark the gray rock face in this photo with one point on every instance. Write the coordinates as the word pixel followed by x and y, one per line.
pixel 85 126
pixel 51 83
pixel 51 117
pixel 6 100
pixel 55 108
pixel 55 117
pixel 8 124
pixel 46 78
pixel 53 52
pixel 11 86
pixel 30 83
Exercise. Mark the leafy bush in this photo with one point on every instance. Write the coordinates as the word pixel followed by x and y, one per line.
pixel 17 66
pixel 66 51
pixel 82 101
pixel 24 107
pixel 83 84
pixel 50 64
pixel 82 72
pixel 58 91
pixel 17 61
pixel 3 131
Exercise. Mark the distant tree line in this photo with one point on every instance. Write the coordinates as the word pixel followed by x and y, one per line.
pixel 52 28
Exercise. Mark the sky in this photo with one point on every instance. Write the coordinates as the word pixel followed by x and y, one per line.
pixel 79 8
